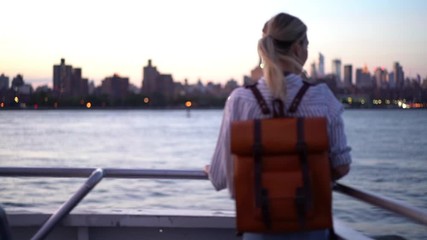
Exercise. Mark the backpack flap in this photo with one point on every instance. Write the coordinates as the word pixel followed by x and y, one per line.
pixel 269 190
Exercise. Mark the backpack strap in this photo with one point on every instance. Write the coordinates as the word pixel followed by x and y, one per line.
pixel 261 194
pixel 297 100
pixel 261 102
pixel 277 103
pixel 303 194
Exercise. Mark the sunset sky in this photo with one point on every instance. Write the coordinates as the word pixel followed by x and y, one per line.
pixel 207 40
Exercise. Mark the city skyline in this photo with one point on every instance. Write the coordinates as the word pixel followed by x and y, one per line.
pixel 212 42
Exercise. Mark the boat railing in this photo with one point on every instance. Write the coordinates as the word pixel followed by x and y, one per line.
pixel 96 175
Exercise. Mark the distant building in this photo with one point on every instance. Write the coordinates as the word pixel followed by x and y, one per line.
pixel 4 83
pixel 336 69
pixel 68 81
pixel 154 83
pixel 149 75
pixel 214 89
pixel 381 78
pixel 17 82
pixel 348 75
pixel 21 90
pixel 330 80
pixel 321 66
pixel 115 87
pixel 363 78
pixel 313 71
pixel 248 80
pixel 230 86
pixel 399 75
pixel 391 80
pixel 25 89
pixel 256 72
pixel 424 84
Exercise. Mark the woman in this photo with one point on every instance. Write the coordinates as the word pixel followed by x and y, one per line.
pixel 283 50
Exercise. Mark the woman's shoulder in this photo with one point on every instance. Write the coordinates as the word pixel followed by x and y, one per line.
pixel 245 92
pixel 322 89
pixel 320 93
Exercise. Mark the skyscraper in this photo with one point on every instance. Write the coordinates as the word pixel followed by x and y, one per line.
pixel 61 77
pixel 381 77
pixel 336 69
pixel 149 76
pixel 313 71
pixel 399 75
pixel 4 82
pixel 348 75
pixel 363 78
pixel 155 83
pixel 321 65
pixel 68 81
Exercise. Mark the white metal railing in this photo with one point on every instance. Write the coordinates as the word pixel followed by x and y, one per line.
pixel 96 175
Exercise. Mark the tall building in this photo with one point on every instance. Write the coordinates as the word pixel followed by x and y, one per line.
pixel 68 81
pixel 363 78
pixel 399 75
pixel 381 77
pixel 115 87
pixel 154 83
pixel 4 82
pixel 149 75
pixel 313 71
pixel 336 69
pixel 321 65
pixel 17 82
pixel 61 77
pixel 391 81
pixel 348 75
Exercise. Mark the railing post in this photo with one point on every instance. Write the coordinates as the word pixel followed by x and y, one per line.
pixel 66 208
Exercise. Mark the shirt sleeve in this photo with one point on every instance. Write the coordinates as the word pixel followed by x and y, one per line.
pixel 339 150
pixel 221 167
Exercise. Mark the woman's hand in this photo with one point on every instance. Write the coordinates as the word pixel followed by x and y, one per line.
pixel 340 171
pixel 206 169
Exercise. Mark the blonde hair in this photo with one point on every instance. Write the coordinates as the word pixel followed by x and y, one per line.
pixel 279 33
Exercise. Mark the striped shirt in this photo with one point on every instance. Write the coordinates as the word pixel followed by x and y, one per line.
pixel 318 101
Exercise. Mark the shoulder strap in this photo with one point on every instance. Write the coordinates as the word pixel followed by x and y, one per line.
pixel 277 103
pixel 297 100
pixel 261 102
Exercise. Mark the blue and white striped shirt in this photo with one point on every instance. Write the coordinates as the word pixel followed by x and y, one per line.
pixel 318 101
